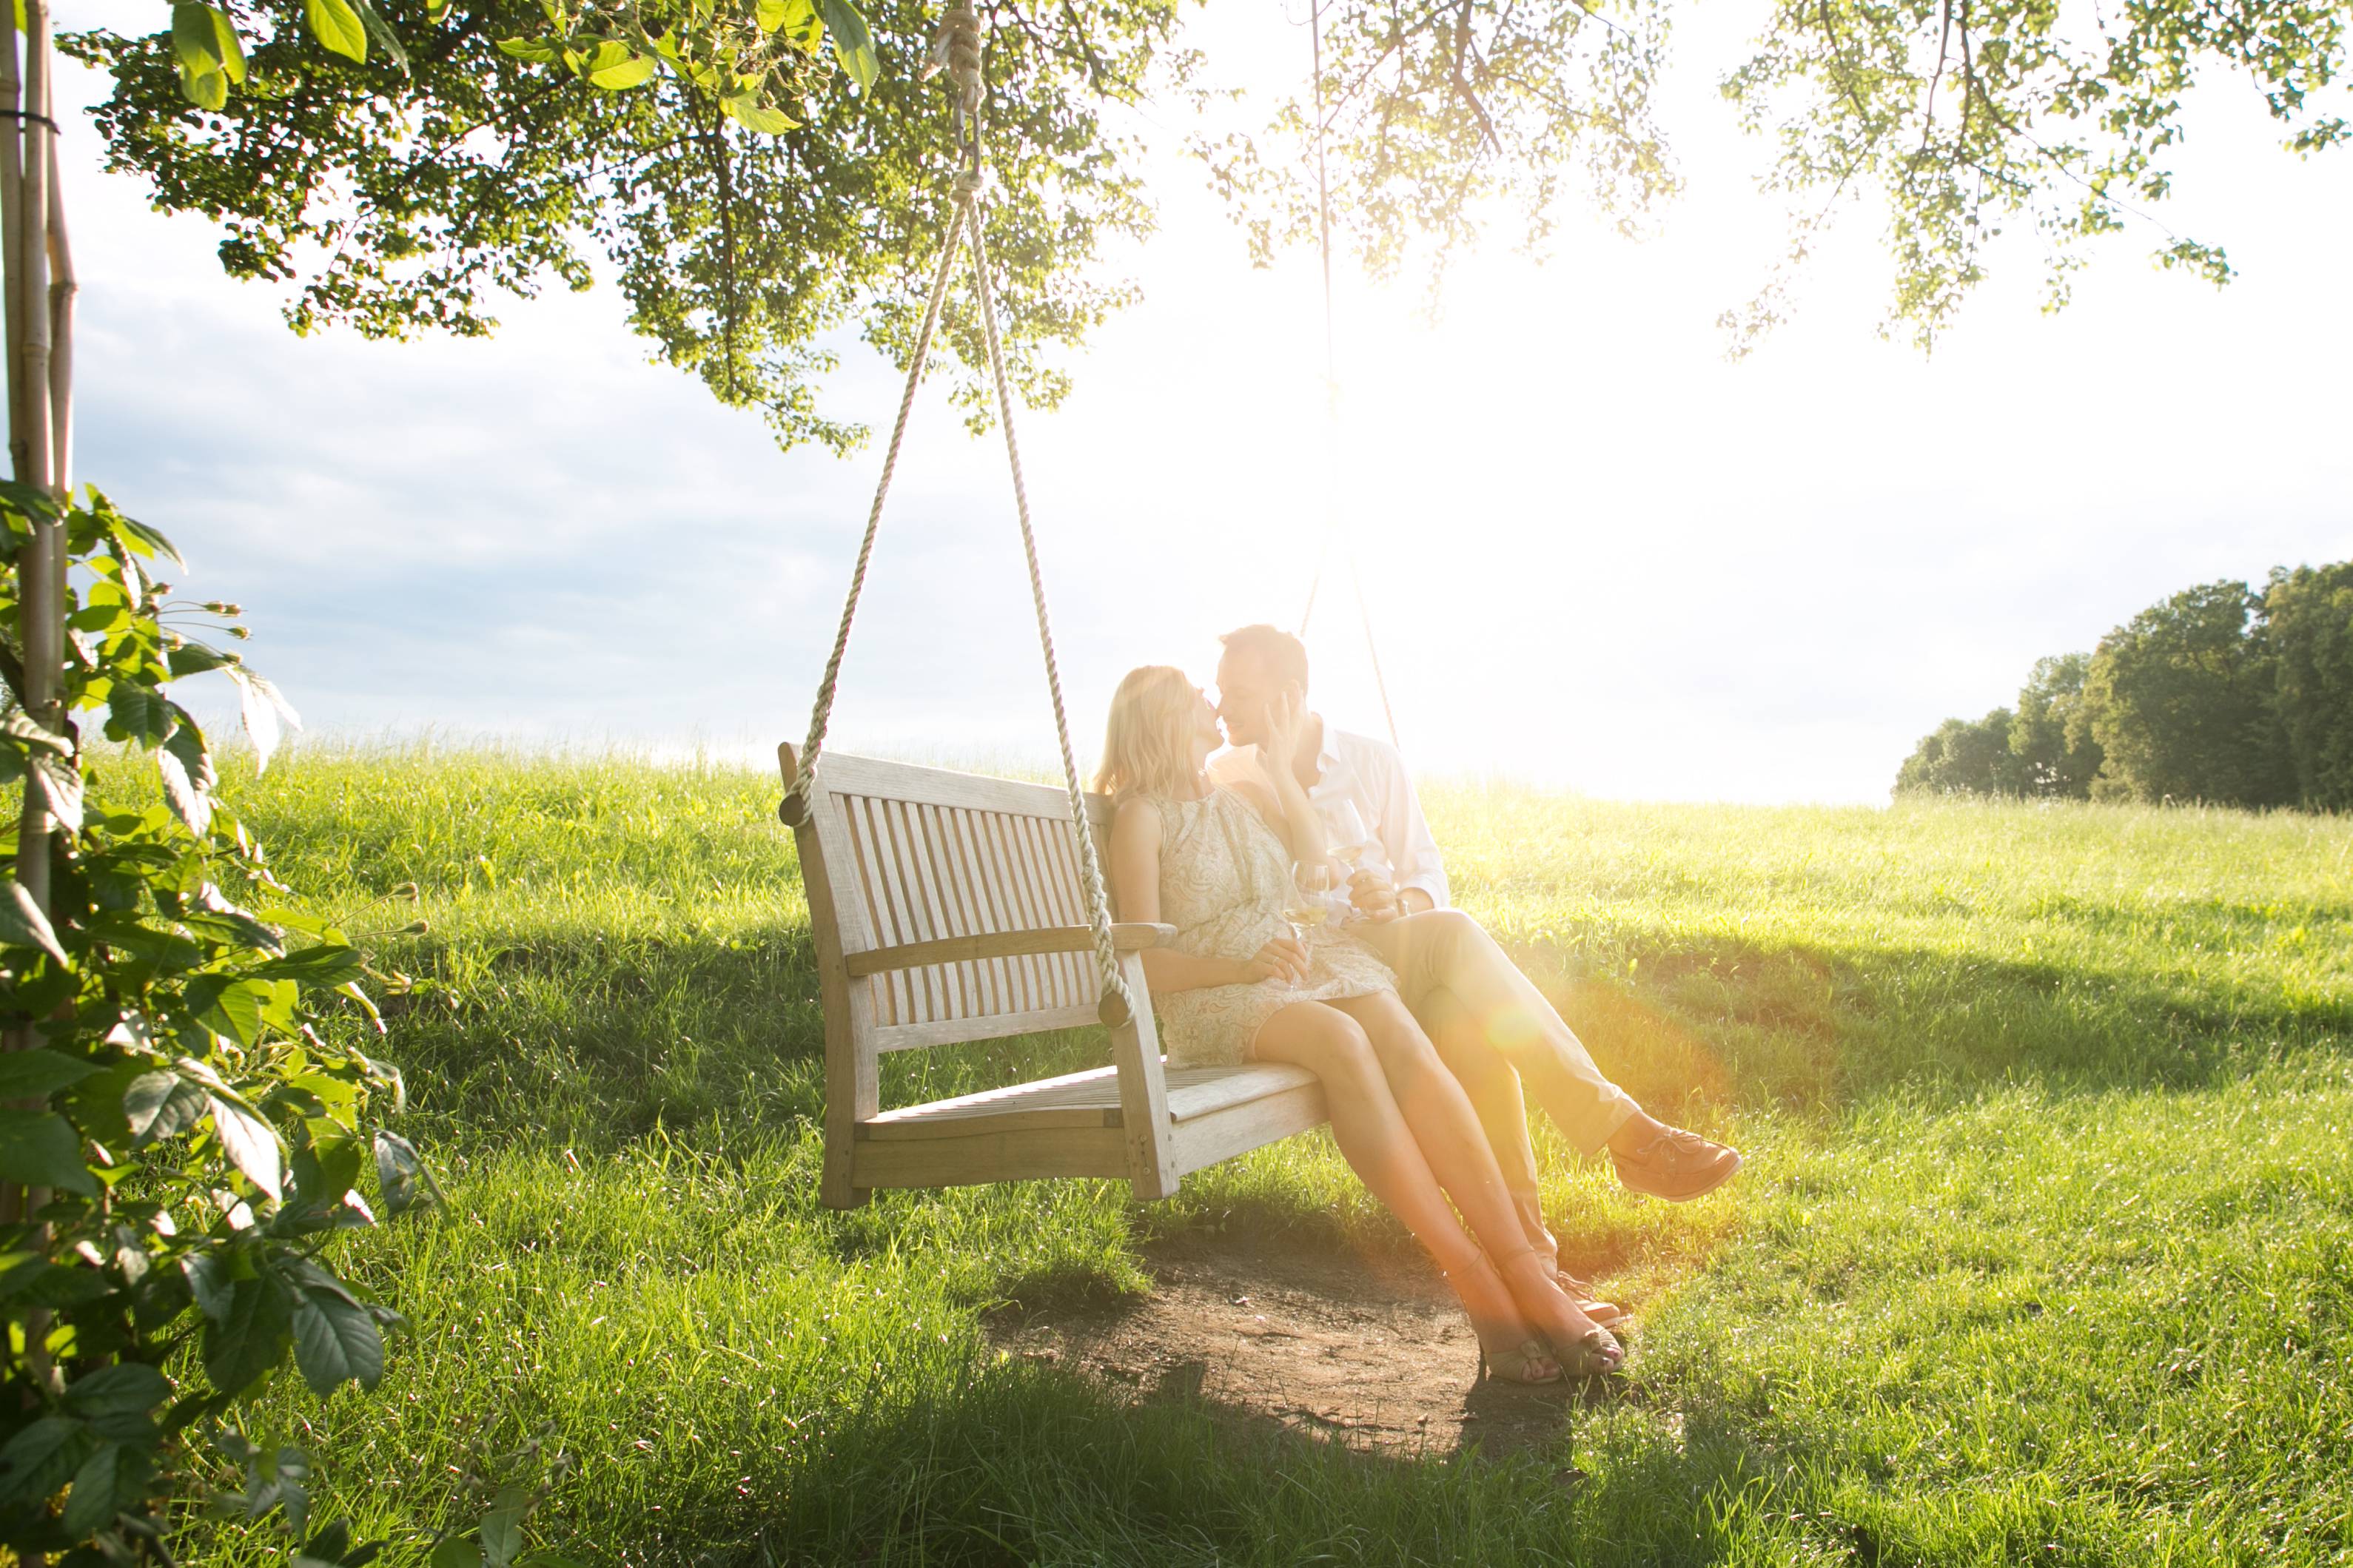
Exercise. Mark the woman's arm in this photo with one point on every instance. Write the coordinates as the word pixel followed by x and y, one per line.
pixel 1136 894
pixel 1293 817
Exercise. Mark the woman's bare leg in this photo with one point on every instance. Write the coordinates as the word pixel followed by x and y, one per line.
pixel 1455 1148
pixel 1379 1145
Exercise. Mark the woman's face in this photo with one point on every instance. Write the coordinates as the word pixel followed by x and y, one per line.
pixel 1206 738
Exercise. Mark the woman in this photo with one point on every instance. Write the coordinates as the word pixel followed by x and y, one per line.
pixel 1239 985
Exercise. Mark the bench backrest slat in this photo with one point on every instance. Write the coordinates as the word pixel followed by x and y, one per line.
pixel 913 854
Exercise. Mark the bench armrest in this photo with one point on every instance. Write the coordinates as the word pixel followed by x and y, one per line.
pixel 1127 936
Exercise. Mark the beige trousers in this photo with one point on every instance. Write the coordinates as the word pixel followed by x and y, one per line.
pixel 1496 1032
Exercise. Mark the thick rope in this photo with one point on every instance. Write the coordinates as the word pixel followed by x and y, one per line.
pixel 1333 514
pixel 796 797
pixel 957 49
pixel 1098 901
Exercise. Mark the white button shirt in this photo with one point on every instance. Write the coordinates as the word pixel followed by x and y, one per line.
pixel 1369 775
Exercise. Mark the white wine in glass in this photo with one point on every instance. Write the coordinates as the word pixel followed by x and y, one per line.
pixel 1311 901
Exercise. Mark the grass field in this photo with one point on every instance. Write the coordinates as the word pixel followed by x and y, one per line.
pixel 2044 1252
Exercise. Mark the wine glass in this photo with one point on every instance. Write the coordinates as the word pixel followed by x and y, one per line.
pixel 1349 842
pixel 1310 898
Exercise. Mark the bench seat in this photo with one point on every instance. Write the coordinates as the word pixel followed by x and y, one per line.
pixel 1073 1126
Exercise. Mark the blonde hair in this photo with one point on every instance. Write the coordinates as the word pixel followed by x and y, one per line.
pixel 1148 743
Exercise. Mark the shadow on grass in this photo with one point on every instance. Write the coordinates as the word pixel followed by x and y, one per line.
pixel 1019 1462
pixel 599 1041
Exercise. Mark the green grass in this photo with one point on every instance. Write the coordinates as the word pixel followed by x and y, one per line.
pixel 2042 1254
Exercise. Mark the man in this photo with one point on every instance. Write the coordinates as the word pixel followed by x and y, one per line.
pixel 1494 1028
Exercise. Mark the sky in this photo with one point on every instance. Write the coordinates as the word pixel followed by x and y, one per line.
pixel 1596 555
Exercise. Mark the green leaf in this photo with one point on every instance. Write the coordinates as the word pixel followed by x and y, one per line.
pixel 96 1497
pixel 502 1540
pixel 40 1458
pixel 32 734
pixel 193 42
pixel 249 1341
pixel 336 1341
pixel 140 713
pixel 229 46
pixel 329 964
pixel 635 71
pixel 204 89
pixel 194 659
pixel 163 1105
pixel 853 43
pixel 250 1143
pixel 335 24
pixel 187 788
pixel 22 923
pixel 37 1074
pixel 60 781
pixel 400 1175
pixel 208 1274
pixel 536 51
pixel 381 31
pixel 118 1401
pixel 753 116
pixel 455 1553
pixel 41 1149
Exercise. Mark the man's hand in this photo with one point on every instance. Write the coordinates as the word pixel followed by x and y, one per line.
pixel 1415 901
pixel 1370 893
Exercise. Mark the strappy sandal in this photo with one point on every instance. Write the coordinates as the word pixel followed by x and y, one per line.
pixel 1516 1364
pixel 1596 1353
pixel 1513 1365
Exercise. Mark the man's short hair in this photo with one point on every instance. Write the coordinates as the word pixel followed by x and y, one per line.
pixel 1284 656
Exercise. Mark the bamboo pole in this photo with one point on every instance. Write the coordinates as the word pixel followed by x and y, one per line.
pixel 40 572
pixel 64 289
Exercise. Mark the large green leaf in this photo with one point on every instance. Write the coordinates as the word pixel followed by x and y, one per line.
pixel 250 1340
pixel 209 1281
pixel 22 923
pixel 118 1401
pixel 163 1104
pixel 140 713
pixel 98 1490
pixel 853 43
pixel 337 24
pixel 60 780
pixel 251 1144
pixel 37 1074
pixel 335 1341
pixel 635 71
pixel 41 1458
pixel 39 1149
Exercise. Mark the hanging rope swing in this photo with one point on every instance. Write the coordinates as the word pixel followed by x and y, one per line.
pixel 956 48
pixel 947 908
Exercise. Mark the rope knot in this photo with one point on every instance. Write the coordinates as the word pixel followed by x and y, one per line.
pixel 971 185
pixel 956 47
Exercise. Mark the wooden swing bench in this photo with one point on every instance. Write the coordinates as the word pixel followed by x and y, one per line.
pixel 949 908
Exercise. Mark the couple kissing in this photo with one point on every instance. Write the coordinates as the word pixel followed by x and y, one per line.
pixel 1314 927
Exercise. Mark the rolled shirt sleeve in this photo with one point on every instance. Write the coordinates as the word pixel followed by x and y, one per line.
pixel 1404 832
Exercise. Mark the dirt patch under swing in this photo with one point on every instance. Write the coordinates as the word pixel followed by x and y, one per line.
pixel 1368 1352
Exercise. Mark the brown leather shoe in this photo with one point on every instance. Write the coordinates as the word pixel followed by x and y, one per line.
pixel 1677 1165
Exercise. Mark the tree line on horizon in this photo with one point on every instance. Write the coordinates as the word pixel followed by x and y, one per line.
pixel 2221 694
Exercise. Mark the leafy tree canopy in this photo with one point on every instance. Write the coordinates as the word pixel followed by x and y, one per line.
pixel 758 172
pixel 2308 633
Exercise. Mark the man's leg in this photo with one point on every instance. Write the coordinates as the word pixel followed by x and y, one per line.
pixel 1495 1091
pixel 1448 949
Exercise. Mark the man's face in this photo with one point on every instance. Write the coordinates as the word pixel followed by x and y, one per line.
pixel 1245 687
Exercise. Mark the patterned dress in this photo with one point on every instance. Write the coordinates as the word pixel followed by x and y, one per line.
pixel 1225 881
